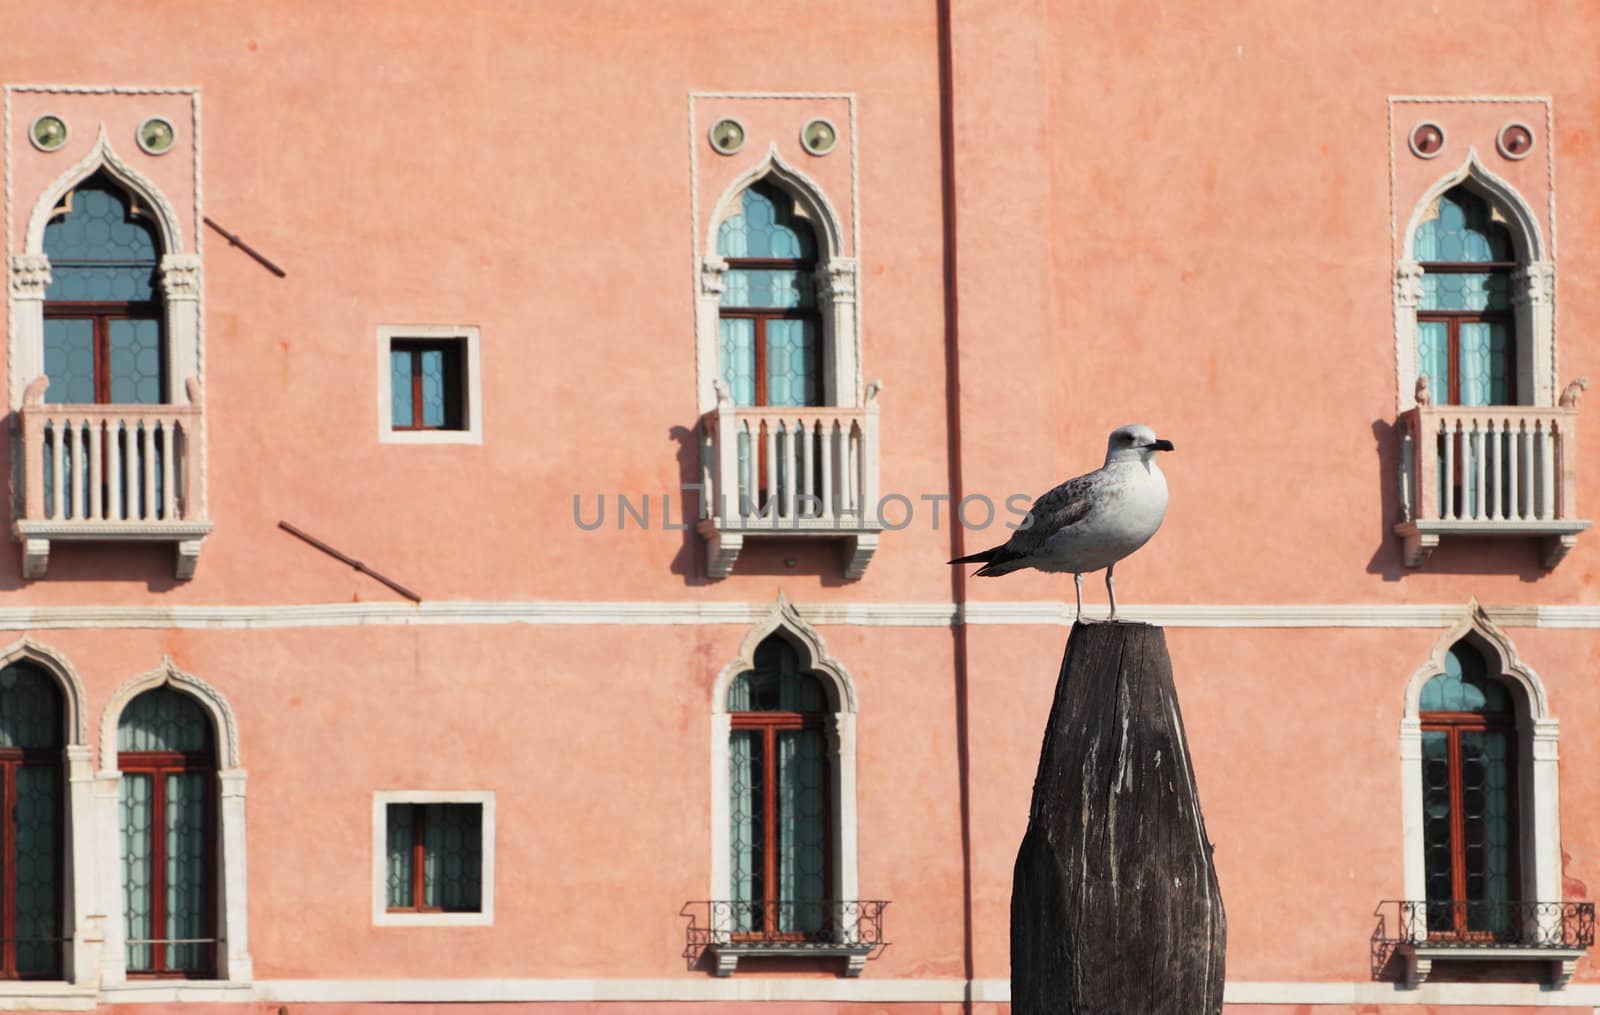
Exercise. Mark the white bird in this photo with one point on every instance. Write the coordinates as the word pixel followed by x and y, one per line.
pixel 1092 521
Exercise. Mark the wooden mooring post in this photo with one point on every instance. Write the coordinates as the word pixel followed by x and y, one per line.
pixel 1115 906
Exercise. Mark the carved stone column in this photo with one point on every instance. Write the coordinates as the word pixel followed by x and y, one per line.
pixel 836 291
pixel 180 288
pixel 1533 304
pixel 30 277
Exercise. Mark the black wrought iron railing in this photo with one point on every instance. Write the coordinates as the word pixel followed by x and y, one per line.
pixel 828 926
pixel 1450 924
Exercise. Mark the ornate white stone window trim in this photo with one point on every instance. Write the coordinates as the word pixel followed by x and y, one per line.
pixel 471 383
pixel 234 966
pixel 839 729
pixel 1537 767
pixel 381 799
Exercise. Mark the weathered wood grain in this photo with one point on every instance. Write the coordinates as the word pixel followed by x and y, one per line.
pixel 1115 905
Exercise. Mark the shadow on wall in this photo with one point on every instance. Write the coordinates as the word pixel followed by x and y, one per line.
pixel 1459 555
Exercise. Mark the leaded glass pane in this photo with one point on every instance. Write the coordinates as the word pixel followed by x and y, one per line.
pixel 1485 363
pixel 37 884
pixel 133 358
pixel 137 907
pixel 738 335
pixel 1449 290
pixel 776 684
pixel 1465 686
pixel 791 362
pixel 401 864
pixel 98 251
pixel 164 719
pixel 185 841
pixel 779 288
pixel 766 226
pixel 1438 869
pixel 432 364
pixel 747 824
pixel 1462 229
pixel 30 708
pixel 400 407
pixel 452 857
pixel 1433 357
pixel 1486 828
pixel 802 830
pixel 69 361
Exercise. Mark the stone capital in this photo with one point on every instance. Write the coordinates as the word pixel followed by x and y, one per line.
pixel 30 276
pixel 1408 284
pixel 1533 285
pixel 180 276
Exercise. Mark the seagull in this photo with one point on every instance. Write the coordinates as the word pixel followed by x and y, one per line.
pixel 1092 521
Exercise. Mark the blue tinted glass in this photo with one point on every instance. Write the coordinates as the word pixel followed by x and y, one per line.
pixel 750 287
pixel 69 361
pixel 400 413
pixel 134 358
pixel 1462 230
pixel 791 362
pixel 98 251
pixel 766 226
pixel 432 387
pixel 1485 366
pixel 738 336
pixel 1464 686
pixel 1466 291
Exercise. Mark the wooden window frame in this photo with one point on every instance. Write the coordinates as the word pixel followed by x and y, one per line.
pixel 101 314
pixel 419 857
pixel 157 765
pixel 1453 319
pixel 761 315
pixel 11 760
pixel 454 382
pixel 1453 724
pixel 769 724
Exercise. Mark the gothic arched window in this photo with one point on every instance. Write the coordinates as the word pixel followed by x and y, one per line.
pixel 32 738
pixel 103 318
pixel 1466 331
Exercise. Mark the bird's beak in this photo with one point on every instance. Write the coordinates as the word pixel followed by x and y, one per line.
pixel 1160 445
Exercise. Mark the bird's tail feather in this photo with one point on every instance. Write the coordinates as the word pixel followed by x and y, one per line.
pixel 997 560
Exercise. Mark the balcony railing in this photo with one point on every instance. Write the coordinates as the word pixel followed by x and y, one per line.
pixel 730 930
pixel 1494 470
pixel 797 471
pixel 1422 932
pixel 111 473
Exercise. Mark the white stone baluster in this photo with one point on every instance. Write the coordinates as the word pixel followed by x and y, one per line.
pixel 58 493
pixel 808 476
pixel 1529 492
pixel 791 464
pixel 769 440
pixel 1547 471
pixel 168 448
pixel 1513 470
pixel 148 449
pixel 1496 476
pixel 830 430
pixel 96 483
pixel 1449 511
pixel 1479 466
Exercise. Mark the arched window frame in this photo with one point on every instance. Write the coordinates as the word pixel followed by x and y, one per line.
pixel 234 964
pixel 179 277
pixel 839 730
pixel 1532 288
pixel 835 276
pixel 1537 789
pixel 79 899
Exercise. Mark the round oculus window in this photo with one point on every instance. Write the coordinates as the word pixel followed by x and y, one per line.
pixel 1427 139
pixel 1515 141
pixel 48 132
pixel 157 135
pixel 819 136
pixel 727 135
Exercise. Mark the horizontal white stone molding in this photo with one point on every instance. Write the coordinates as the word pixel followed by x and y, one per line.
pixel 869 990
pixel 1036 613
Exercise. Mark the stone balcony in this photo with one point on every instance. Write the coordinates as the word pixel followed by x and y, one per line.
pixel 1490 471
pixel 111 473
pixel 806 472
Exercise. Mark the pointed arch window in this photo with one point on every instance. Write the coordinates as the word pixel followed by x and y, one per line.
pixel 779 804
pixel 166 751
pixel 103 315
pixel 32 802
pixel 1470 834
pixel 769 327
pixel 1466 332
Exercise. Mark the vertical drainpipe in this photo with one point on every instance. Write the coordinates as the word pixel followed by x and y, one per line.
pixel 958 573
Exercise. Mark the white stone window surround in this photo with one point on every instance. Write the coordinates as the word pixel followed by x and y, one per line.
pixel 381 799
pixel 471 384
pixel 179 274
pixel 836 278
pixel 1532 296
pixel 234 966
pixel 79 900
pixel 839 729
pixel 1538 771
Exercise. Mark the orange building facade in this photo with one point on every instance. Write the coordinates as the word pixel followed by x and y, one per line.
pixel 481 480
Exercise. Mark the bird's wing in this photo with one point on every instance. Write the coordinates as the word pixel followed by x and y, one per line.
pixel 1060 508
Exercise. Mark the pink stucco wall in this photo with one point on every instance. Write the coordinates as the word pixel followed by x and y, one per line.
pixel 1177 214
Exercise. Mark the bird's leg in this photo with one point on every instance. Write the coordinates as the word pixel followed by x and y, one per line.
pixel 1077 587
pixel 1111 588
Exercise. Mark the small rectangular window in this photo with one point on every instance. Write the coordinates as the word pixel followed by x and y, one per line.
pixel 435 858
pixel 432 858
pixel 428 384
